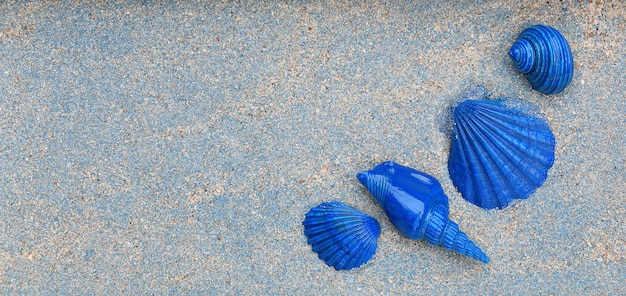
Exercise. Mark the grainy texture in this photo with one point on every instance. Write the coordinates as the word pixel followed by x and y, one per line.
pixel 174 148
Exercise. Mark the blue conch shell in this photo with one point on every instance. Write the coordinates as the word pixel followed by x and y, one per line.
pixel 500 151
pixel 545 58
pixel 417 207
pixel 341 235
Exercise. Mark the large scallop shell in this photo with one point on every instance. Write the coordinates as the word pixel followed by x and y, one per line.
pixel 545 58
pixel 500 151
pixel 341 235
pixel 417 207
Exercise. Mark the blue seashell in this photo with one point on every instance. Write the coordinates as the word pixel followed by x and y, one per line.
pixel 545 58
pixel 341 235
pixel 500 151
pixel 417 207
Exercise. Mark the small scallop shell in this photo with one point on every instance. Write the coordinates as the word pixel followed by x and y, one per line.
pixel 417 207
pixel 341 235
pixel 545 58
pixel 500 151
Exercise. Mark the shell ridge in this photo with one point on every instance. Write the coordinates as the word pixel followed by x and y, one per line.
pixel 450 234
pixel 469 186
pixel 328 252
pixel 522 55
pixel 435 227
pixel 487 166
pixel 321 231
pixel 507 145
pixel 345 220
pixel 493 165
pixel 364 244
pixel 518 138
pixel 463 178
pixel 349 229
pixel 498 168
pixel 552 65
pixel 499 153
pixel 322 244
pixel 473 157
pixel 461 244
pixel 350 248
pixel 514 122
pixel 537 158
pixel 363 248
pixel 377 185
pixel 341 235
pixel 446 233
pixel 334 256
pixel 517 175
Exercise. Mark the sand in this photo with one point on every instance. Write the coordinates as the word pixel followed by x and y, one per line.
pixel 174 148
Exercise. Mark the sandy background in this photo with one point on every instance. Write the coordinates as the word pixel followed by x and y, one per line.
pixel 174 148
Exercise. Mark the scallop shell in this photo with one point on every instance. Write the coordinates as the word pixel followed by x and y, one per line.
pixel 500 151
pixel 417 207
pixel 341 235
pixel 545 58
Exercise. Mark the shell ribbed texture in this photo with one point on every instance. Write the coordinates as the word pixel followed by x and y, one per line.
pixel 441 231
pixel 498 153
pixel 341 235
pixel 378 184
pixel 417 206
pixel 544 56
